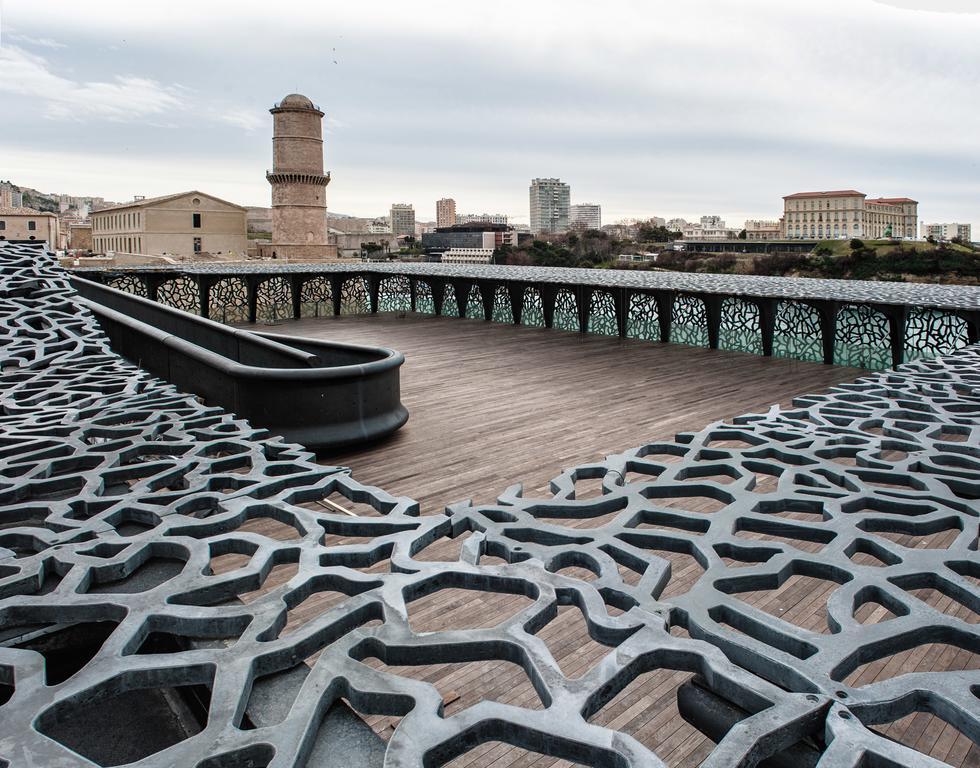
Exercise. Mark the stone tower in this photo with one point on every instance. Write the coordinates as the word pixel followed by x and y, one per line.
pixel 299 185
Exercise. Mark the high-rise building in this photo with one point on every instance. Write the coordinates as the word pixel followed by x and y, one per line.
pixel 402 219
pixel 550 200
pixel 445 212
pixel 585 216
pixel 948 231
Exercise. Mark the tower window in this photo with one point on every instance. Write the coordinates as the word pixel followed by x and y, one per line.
pixel 197 220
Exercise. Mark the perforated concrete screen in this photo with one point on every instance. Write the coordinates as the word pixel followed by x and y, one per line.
pixel 118 494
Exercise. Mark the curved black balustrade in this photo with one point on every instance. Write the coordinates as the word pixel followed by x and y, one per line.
pixel 324 395
pixel 859 323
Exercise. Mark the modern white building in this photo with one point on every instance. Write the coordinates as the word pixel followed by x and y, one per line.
pixel 480 218
pixel 948 231
pixel 677 225
pixel 585 216
pixel 467 256
pixel 550 201
pixel 379 226
pixel 710 228
pixel 402 219
pixel 713 222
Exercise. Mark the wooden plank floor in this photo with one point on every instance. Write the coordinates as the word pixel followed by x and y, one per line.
pixel 492 405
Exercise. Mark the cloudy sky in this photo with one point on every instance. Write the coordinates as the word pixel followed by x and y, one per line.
pixel 648 107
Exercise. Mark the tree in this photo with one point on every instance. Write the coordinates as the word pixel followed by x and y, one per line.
pixel 743 235
pixel 648 233
pixel 857 244
pixel 367 249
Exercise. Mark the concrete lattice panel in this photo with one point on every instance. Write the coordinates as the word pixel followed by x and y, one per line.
pixel 118 491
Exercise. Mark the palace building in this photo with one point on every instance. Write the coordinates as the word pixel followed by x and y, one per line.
pixel 848 213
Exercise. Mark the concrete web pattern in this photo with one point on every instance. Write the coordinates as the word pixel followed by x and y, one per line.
pixel 118 492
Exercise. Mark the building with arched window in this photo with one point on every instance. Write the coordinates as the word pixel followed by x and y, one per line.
pixel 847 213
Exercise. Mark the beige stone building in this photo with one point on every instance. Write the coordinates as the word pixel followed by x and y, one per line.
pixel 847 213
pixel 29 224
pixel 352 245
pixel 186 224
pixel 299 185
pixel 80 236
pixel 757 229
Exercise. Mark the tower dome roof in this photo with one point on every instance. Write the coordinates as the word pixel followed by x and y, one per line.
pixel 296 100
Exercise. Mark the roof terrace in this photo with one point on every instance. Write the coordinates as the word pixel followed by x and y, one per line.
pixel 797 584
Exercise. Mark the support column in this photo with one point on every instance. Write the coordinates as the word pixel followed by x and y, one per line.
pixel 665 313
pixel 413 292
pixel 516 292
pixel 583 302
pixel 438 288
pixel 296 294
pixel 204 294
pixel 972 326
pixel 549 293
pixel 828 327
pixel 336 286
pixel 712 310
pixel 621 298
pixel 374 288
pixel 152 283
pixel 252 286
pixel 767 323
pixel 487 293
pixel 462 288
pixel 897 318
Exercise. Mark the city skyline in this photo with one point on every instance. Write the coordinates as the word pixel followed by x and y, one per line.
pixel 637 120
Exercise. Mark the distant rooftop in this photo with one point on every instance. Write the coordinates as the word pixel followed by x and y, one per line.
pixel 23 212
pixel 831 193
pixel 145 201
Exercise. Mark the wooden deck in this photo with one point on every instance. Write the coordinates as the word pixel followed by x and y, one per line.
pixel 492 405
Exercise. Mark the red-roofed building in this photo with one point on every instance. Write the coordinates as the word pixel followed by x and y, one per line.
pixel 847 213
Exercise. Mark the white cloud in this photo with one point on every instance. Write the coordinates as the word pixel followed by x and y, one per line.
pixel 39 42
pixel 247 119
pixel 935 6
pixel 124 99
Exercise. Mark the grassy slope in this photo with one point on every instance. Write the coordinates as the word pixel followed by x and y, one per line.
pixel 843 247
